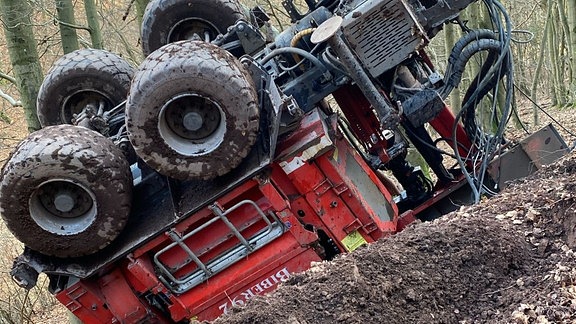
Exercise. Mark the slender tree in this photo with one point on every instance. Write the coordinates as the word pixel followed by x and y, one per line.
pixel 67 25
pixel 563 17
pixel 571 16
pixel 571 36
pixel 537 73
pixel 93 24
pixel 140 8
pixel 16 18
pixel 450 37
pixel 553 43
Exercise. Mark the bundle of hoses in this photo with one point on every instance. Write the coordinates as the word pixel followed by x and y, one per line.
pixel 497 67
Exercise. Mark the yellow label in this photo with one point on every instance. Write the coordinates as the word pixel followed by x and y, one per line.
pixel 353 241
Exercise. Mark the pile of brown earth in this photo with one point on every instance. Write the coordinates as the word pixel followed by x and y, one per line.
pixel 509 259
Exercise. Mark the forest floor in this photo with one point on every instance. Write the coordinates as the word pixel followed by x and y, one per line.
pixel 509 259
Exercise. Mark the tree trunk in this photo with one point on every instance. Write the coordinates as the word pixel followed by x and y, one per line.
pixel 93 24
pixel 567 34
pixel 450 37
pixel 16 17
pixel 554 63
pixel 140 8
pixel 538 71
pixel 571 18
pixel 67 25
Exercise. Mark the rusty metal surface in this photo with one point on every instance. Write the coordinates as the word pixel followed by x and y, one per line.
pixel 544 146
pixel 540 148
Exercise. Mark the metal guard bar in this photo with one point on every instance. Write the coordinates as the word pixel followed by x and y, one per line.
pixel 206 270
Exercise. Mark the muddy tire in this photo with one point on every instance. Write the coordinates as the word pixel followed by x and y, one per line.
pixel 81 77
pixel 66 191
pixel 168 21
pixel 192 112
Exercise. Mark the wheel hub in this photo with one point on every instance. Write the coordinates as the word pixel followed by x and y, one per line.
pixel 63 207
pixel 64 202
pixel 192 124
pixel 192 117
pixel 192 121
pixel 187 28
pixel 78 101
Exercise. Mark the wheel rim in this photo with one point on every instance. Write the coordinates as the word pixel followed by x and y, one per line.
pixel 63 207
pixel 75 103
pixel 192 125
pixel 187 28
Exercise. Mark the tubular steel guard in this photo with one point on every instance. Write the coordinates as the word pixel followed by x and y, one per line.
pixel 206 270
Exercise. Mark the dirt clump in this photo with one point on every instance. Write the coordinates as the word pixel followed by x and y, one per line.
pixel 509 259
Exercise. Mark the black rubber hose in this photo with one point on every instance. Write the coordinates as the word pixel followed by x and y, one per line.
pixel 468 116
pixel 473 48
pixel 474 35
pixel 455 59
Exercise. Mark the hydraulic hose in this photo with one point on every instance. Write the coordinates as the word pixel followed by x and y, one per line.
pixel 299 35
pixel 473 35
pixel 467 53
pixel 298 51
pixel 480 92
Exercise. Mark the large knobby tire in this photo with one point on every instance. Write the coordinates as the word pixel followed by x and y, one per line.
pixel 192 111
pixel 168 21
pixel 79 78
pixel 66 191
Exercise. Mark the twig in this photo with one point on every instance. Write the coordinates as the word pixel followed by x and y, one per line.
pixel 7 77
pixel 12 101
pixel 56 21
pixel 499 290
pixel 127 11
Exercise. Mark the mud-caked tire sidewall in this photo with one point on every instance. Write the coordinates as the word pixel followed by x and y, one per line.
pixel 162 15
pixel 86 69
pixel 208 71
pixel 80 156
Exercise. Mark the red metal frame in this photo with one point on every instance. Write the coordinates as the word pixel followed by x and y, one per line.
pixel 445 121
pixel 309 187
pixel 107 299
pixel 362 119
pixel 444 124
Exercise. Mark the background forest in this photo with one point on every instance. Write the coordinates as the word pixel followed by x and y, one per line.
pixel 35 33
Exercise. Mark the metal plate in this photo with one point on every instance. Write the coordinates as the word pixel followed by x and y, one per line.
pixel 540 148
pixel 383 34
pixel 326 30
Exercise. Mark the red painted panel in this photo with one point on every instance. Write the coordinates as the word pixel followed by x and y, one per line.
pixel 444 124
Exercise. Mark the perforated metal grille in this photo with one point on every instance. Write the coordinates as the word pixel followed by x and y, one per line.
pixel 382 34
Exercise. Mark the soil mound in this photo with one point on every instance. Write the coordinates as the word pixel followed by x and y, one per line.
pixel 509 259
